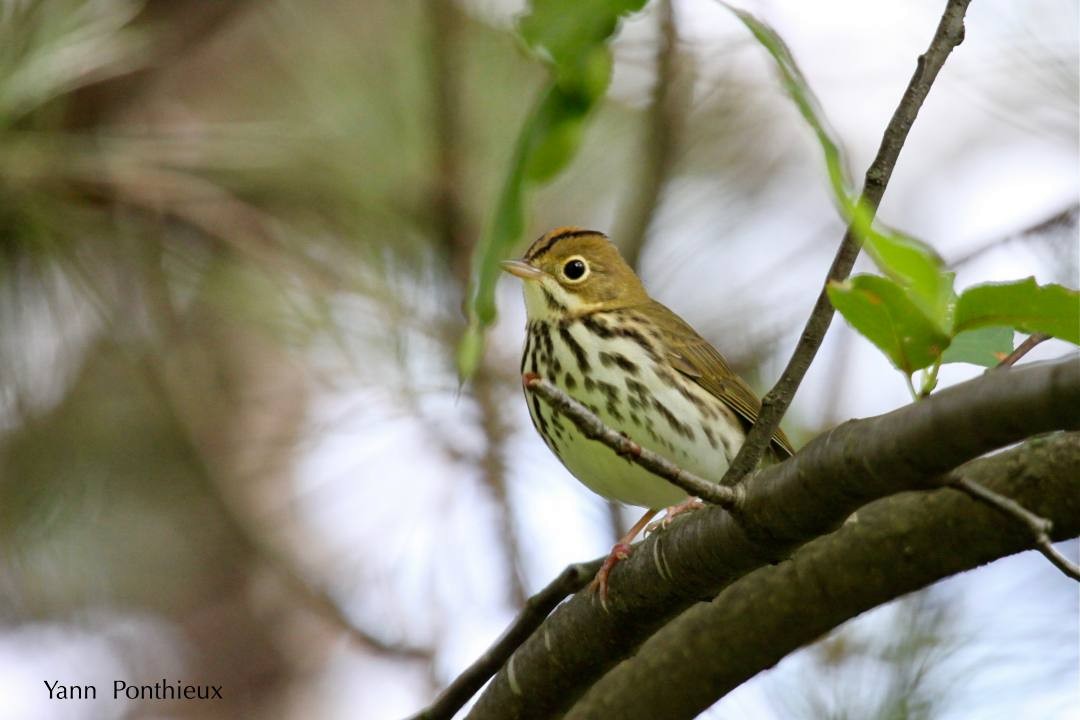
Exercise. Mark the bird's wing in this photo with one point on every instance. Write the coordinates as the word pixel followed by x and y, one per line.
pixel 693 356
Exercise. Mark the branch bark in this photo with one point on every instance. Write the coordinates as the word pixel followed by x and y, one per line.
pixel 949 34
pixel 920 537
pixel 1024 348
pixel 1040 528
pixel 785 506
pixel 570 580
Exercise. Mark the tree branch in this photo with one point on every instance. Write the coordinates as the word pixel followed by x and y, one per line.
pixel 923 537
pixel 1062 219
pixel 1039 527
pixel 593 428
pixel 1023 349
pixel 664 121
pixel 949 34
pixel 785 506
pixel 539 606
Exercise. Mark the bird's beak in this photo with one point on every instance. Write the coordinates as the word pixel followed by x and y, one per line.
pixel 523 270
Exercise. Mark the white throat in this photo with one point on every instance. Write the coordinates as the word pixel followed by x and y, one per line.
pixel 547 300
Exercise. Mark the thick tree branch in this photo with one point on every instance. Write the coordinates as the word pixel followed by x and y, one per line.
pixel 593 428
pixel 949 34
pixel 785 506
pixel 898 545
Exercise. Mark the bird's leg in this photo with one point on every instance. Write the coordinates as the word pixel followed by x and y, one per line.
pixel 674 511
pixel 621 551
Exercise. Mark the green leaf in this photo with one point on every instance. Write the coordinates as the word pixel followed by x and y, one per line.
pixel 916 266
pixel 554 136
pixel 906 260
pixel 799 90
pixel 1024 305
pixel 572 37
pixel 983 346
pixel 470 351
pixel 881 310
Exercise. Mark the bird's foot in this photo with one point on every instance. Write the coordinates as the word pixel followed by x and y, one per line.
pixel 599 585
pixel 673 512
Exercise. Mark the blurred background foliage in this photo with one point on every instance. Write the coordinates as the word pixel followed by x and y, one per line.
pixel 234 248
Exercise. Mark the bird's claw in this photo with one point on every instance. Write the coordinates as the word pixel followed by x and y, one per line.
pixel 688 505
pixel 599 585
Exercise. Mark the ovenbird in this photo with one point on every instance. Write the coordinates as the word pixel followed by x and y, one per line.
pixel 595 333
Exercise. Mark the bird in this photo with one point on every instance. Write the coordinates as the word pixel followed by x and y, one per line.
pixel 595 333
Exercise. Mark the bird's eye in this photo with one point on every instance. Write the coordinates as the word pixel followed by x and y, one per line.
pixel 575 269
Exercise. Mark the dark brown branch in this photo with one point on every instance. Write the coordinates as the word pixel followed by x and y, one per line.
pixel 949 34
pixel 784 507
pixel 1039 527
pixel 593 428
pixel 1023 349
pixel 537 608
pixel 897 546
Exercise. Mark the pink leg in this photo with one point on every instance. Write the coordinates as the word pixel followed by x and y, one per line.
pixel 621 551
pixel 673 512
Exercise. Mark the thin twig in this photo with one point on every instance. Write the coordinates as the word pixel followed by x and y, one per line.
pixel 594 429
pixel 949 34
pixel 537 608
pixel 1039 526
pixel 1062 219
pixel 1023 349
pixel 315 598
pixel 664 121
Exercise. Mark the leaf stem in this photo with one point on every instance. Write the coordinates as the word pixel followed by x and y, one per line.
pixel 929 379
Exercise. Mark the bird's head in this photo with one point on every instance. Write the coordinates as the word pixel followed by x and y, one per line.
pixel 571 271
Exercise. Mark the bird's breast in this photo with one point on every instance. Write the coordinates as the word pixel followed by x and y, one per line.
pixel 617 368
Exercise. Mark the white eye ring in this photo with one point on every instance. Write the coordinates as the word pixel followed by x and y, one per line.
pixel 575 264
